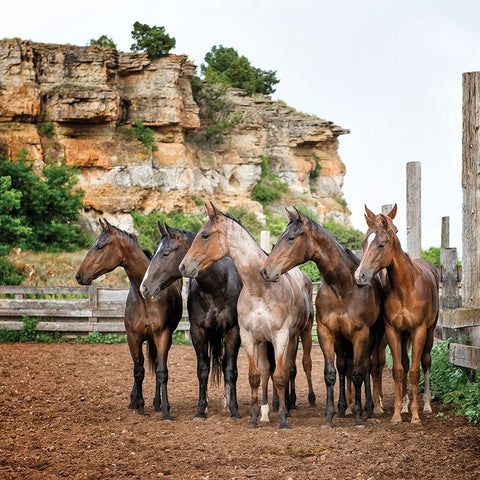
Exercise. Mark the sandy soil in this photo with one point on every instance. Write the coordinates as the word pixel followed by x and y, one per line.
pixel 63 413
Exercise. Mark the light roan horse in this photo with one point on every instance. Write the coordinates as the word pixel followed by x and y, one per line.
pixel 152 321
pixel 212 312
pixel 411 306
pixel 267 313
pixel 349 321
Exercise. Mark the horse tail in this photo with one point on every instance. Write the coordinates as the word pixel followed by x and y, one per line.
pixel 152 354
pixel 216 354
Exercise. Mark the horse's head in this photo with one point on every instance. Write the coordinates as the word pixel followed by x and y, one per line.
pixel 290 250
pixel 103 257
pixel 208 246
pixel 163 269
pixel 377 245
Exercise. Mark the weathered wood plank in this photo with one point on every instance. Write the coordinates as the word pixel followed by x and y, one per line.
pixel 465 355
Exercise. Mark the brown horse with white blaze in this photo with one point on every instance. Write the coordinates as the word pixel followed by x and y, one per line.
pixel 152 321
pixel 275 314
pixel 411 305
pixel 349 322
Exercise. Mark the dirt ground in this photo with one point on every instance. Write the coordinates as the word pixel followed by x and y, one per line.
pixel 63 413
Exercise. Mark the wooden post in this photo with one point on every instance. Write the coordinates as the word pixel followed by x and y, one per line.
pixel 450 297
pixel 386 209
pixel 265 240
pixel 414 215
pixel 471 189
pixel 445 239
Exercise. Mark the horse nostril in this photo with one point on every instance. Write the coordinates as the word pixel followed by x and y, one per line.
pixel 182 268
pixel 78 277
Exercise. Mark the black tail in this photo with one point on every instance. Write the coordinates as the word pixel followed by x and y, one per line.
pixel 152 355
pixel 216 354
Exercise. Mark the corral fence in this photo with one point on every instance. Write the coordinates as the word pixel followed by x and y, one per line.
pixel 73 311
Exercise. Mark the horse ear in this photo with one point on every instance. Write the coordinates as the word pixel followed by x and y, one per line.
pixel 209 210
pixel 169 231
pixel 369 217
pixel 104 224
pixel 393 212
pixel 161 229
pixel 300 216
pixel 291 216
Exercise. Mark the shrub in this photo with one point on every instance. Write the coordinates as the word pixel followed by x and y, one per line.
pixel 144 134
pixel 224 65
pixel 46 129
pixel 269 187
pixel 152 40
pixel 104 42
pixel 316 171
pixel 10 274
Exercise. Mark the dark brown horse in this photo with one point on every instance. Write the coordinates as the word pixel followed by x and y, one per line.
pixel 349 321
pixel 212 311
pixel 411 306
pixel 152 321
pixel 273 314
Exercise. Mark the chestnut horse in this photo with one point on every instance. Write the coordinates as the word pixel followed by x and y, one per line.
pixel 411 306
pixel 153 321
pixel 349 320
pixel 212 312
pixel 273 314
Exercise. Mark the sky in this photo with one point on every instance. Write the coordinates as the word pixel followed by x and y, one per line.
pixel 389 71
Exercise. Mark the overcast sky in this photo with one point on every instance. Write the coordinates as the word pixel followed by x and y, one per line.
pixel 389 71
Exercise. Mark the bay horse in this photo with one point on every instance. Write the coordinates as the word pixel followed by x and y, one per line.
pixel 349 318
pixel 411 306
pixel 212 312
pixel 151 321
pixel 275 314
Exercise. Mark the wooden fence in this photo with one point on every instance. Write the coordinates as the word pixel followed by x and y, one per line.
pixel 69 310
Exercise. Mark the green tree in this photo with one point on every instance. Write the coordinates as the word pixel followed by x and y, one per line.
pixel 48 206
pixel 432 255
pixel 225 65
pixel 104 42
pixel 152 40
pixel 348 237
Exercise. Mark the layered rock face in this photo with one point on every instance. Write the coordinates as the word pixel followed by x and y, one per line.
pixel 80 103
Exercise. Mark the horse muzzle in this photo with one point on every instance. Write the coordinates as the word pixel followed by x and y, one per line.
pixel 362 278
pixel 82 281
pixel 268 276
pixel 188 271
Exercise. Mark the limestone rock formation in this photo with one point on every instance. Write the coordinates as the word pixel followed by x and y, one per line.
pixel 80 103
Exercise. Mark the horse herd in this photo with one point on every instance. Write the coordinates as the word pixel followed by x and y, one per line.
pixel 239 294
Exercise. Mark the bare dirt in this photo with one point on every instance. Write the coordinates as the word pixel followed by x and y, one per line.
pixel 63 413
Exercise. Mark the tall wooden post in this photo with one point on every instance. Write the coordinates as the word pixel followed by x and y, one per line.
pixel 445 233
pixel 265 240
pixel 386 209
pixel 414 215
pixel 471 189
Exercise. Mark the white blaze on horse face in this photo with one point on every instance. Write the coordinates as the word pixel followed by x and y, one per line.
pixel 370 239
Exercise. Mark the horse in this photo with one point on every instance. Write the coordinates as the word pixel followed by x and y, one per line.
pixel 349 317
pixel 411 307
pixel 268 314
pixel 212 312
pixel 152 321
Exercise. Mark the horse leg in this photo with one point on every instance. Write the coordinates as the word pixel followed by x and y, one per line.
pixel 406 367
pixel 271 365
pixel 253 378
pixel 136 396
pixel 290 392
pixel 265 364
pixel 307 343
pixel 327 341
pixel 426 364
pixel 203 369
pixel 377 366
pixel 361 368
pixel 230 371
pixel 418 344
pixel 163 342
pixel 342 367
pixel 395 344
pixel 280 379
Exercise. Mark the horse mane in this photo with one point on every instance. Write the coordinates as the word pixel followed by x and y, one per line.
pixel 240 223
pixel 313 225
pixel 134 238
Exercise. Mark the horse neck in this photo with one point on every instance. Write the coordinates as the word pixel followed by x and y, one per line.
pixel 402 270
pixel 134 261
pixel 245 253
pixel 335 264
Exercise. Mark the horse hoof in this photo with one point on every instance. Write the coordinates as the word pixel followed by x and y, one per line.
pixel 360 425
pixel 286 425
pixel 326 426
pixel 167 418
pixel 416 422
pixel 199 417
pixel 235 416
pixel 253 424
pixel 395 422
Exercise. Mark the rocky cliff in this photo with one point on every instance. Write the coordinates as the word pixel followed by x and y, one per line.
pixel 80 103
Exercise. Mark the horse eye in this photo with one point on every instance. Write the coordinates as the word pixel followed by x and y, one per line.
pixel 166 254
pixel 291 238
pixel 100 247
pixel 205 235
pixel 381 245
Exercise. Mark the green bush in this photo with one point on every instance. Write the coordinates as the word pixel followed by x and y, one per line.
pixel 269 187
pixel 39 212
pixel 224 65
pixel 46 129
pixel 144 134
pixel 315 173
pixel 29 333
pixel 99 337
pixel 152 40
pixel 348 237
pixel 432 255
pixel 10 274
pixel 104 42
